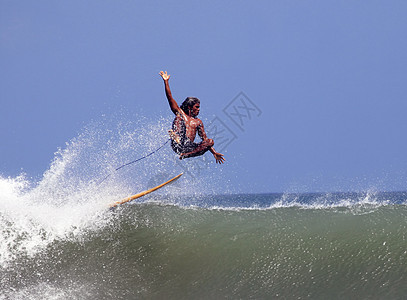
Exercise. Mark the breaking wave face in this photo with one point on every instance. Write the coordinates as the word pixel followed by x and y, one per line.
pixel 71 198
pixel 68 202
pixel 59 240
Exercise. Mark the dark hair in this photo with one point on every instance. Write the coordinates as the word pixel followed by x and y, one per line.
pixel 188 103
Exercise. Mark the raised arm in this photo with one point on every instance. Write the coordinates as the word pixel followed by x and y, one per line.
pixel 173 104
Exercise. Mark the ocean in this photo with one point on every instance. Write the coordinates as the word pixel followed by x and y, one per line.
pixel 60 240
pixel 265 246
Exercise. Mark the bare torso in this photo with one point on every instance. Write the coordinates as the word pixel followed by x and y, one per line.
pixel 192 126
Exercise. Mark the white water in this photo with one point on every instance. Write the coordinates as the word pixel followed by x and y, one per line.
pixel 69 200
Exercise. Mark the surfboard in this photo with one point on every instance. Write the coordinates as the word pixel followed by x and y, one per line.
pixel 131 198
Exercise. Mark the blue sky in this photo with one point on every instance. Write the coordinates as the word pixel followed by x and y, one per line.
pixel 329 78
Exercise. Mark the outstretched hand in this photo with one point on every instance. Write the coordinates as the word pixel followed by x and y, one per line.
pixel 219 158
pixel 164 75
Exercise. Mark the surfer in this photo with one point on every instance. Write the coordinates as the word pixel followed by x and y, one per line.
pixel 186 125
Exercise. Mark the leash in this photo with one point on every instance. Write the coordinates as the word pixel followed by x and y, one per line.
pixel 134 161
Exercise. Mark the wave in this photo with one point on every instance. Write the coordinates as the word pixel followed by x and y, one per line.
pixel 152 250
pixel 59 240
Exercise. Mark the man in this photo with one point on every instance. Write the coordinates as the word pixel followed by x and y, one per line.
pixel 186 125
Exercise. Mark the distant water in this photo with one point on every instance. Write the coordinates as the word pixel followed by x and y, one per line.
pixel 59 240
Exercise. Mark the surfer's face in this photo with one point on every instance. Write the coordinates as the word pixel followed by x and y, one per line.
pixel 195 110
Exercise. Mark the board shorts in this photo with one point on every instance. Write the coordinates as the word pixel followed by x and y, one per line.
pixel 185 146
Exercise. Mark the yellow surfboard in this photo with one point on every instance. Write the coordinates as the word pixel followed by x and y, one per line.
pixel 144 192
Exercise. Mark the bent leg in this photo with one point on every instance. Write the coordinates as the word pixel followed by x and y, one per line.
pixel 202 147
pixel 174 136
